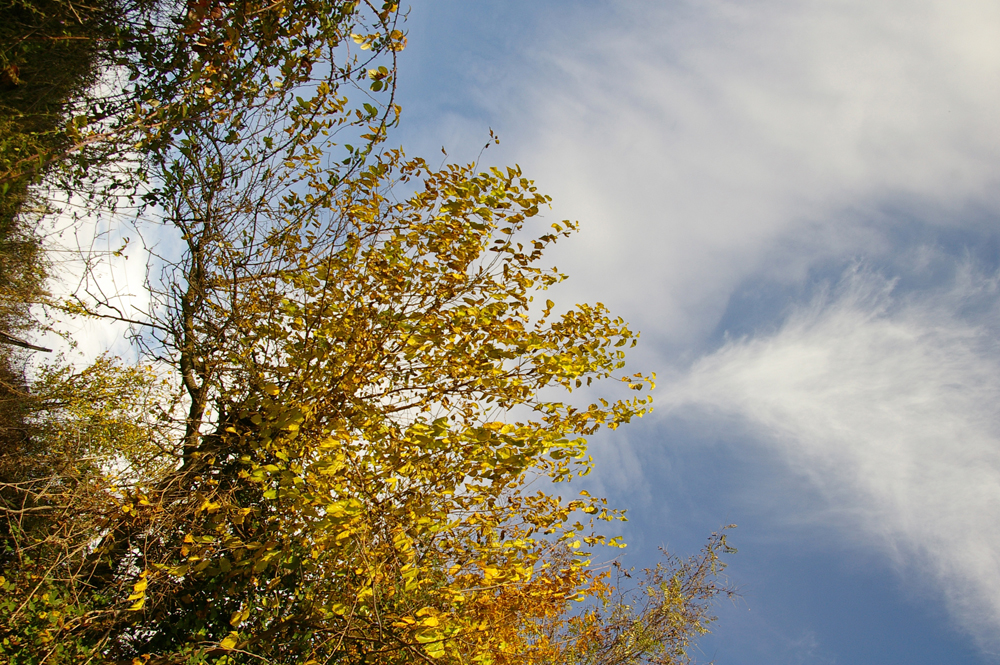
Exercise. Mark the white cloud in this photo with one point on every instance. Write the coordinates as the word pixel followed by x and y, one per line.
pixel 890 406
pixel 117 273
pixel 702 141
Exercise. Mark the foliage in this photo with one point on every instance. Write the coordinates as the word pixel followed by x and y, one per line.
pixel 167 69
pixel 59 490
pixel 362 477
pixel 346 442
pixel 651 623
pixel 47 58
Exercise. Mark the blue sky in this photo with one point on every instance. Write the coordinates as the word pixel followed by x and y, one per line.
pixel 797 204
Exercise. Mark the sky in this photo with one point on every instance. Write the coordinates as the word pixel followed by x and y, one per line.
pixel 797 203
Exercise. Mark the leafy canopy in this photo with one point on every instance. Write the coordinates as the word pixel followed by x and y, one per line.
pixel 352 418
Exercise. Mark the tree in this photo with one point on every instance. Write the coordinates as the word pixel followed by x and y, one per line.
pixel 653 622
pixel 359 385
pixel 354 453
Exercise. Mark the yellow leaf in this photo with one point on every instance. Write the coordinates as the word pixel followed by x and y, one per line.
pixel 435 650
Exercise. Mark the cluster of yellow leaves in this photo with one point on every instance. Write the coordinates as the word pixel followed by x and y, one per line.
pixel 394 432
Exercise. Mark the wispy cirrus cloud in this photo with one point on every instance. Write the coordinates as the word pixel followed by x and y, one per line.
pixel 701 142
pixel 889 405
